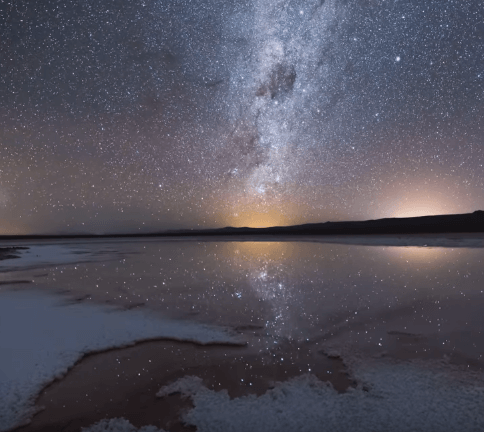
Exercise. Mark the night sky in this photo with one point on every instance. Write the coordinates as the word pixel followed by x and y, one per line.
pixel 131 115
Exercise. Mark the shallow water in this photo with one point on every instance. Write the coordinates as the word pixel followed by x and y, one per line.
pixel 372 297
pixel 300 306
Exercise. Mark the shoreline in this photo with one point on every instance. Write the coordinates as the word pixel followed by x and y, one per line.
pixel 123 383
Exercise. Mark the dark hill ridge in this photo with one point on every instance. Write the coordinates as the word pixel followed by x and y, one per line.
pixel 454 223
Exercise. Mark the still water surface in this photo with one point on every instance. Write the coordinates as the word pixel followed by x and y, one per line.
pixel 281 291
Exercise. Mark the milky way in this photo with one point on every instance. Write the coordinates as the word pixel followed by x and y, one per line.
pixel 147 115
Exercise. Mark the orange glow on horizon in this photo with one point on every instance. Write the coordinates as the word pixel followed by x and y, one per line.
pixel 257 219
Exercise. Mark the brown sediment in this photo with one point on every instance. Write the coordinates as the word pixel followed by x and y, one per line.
pixel 451 343
pixel 408 346
pixel 124 382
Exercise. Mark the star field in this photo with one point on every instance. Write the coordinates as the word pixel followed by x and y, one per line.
pixel 136 116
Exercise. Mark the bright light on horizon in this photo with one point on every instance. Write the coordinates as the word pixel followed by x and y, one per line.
pixel 413 198
pixel 421 205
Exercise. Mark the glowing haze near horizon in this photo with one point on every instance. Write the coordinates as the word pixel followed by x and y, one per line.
pixel 138 115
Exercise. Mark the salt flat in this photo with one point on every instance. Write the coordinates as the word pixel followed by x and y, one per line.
pixel 389 326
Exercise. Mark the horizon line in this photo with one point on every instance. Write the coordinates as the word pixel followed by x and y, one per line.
pixel 461 223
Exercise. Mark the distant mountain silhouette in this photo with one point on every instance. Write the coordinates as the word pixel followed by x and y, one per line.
pixel 453 223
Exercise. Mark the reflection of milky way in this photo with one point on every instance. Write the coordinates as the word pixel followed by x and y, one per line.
pixel 149 114
pixel 270 285
pixel 268 277
pixel 270 274
pixel 308 289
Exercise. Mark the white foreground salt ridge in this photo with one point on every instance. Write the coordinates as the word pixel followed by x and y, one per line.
pixel 400 398
pixel 397 397
pixel 41 338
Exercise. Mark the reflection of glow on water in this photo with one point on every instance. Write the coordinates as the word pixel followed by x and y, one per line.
pixel 422 255
pixel 260 251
